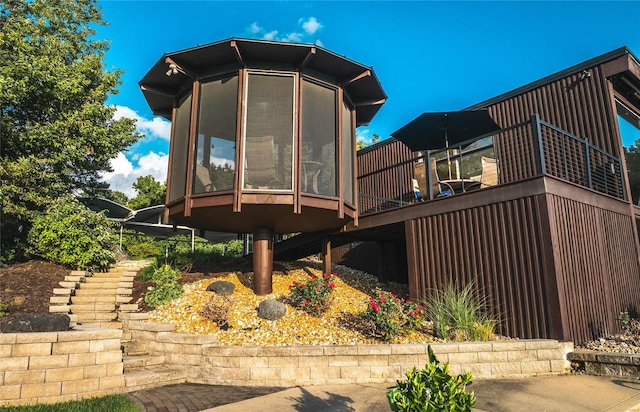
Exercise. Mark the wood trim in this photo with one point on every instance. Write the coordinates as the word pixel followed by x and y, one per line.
pixel 297 158
pixel 193 132
pixel 237 192
pixel 268 198
pixel 412 253
pixel 340 150
pixel 172 142
pixel 215 200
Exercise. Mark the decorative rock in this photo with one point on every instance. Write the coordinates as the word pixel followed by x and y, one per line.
pixel 271 309
pixel 36 322
pixel 222 287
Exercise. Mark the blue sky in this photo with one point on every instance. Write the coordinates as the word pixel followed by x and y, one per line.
pixel 455 53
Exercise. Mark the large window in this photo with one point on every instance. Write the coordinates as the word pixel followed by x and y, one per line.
pixel 180 145
pixel 269 132
pixel 318 139
pixel 216 144
pixel 347 154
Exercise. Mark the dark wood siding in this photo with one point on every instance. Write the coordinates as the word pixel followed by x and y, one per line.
pixel 552 265
pixel 581 106
pixel 499 247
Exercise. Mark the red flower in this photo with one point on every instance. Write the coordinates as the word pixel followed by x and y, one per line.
pixel 331 285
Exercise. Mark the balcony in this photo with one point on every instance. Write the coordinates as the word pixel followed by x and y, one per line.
pixel 516 153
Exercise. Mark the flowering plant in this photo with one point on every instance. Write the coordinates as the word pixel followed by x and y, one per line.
pixel 391 316
pixel 314 296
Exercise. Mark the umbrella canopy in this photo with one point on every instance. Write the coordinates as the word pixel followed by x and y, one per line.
pixel 439 130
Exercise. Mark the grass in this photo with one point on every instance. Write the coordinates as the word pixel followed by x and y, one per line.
pixel 109 403
pixel 460 316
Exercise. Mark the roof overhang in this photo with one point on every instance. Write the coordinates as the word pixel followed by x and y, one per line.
pixel 173 73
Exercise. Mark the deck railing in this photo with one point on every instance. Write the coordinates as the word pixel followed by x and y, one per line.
pixel 522 151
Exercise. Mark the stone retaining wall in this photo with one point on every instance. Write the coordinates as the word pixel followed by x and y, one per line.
pixel 607 364
pixel 204 362
pixel 47 367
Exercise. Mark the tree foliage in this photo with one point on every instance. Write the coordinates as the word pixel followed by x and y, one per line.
pixel 57 133
pixel 632 158
pixel 71 234
pixel 150 192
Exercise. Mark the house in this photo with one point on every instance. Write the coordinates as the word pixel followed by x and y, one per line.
pixel 553 242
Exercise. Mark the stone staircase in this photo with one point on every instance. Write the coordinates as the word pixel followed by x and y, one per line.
pixel 104 300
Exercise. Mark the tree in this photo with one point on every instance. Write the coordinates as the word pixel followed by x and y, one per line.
pixel 57 133
pixel 361 143
pixel 150 193
pixel 632 159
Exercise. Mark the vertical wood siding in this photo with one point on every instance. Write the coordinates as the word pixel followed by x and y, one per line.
pixel 598 266
pixel 499 247
pixel 579 106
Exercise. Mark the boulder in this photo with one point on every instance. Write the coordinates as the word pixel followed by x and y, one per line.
pixel 222 287
pixel 271 309
pixel 36 322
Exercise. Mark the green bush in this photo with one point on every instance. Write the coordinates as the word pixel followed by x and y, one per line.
pixel 4 309
pixel 146 274
pixel 314 296
pixel 167 287
pixel 391 316
pixel 70 234
pixel 432 389
pixel 460 316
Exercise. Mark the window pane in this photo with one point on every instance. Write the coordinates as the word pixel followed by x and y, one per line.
pixel 216 145
pixel 347 154
pixel 318 139
pixel 180 136
pixel 269 132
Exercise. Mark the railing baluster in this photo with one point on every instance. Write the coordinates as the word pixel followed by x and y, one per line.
pixel 588 160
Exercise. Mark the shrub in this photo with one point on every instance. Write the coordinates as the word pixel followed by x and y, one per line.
pixel 70 234
pixel 313 297
pixel 391 316
pixel 144 250
pixel 167 287
pixel 217 310
pixel 432 389
pixel 4 309
pixel 146 274
pixel 460 316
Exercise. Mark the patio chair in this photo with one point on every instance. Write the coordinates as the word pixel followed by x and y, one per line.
pixel 260 165
pixel 439 187
pixel 203 181
pixel 489 175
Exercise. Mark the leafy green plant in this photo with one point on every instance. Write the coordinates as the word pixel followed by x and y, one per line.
pixel 314 296
pixel 4 309
pixel 432 389
pixel 167 287
pixel 72 235
pixel 391 316
pixel 460 316
pixel 146 274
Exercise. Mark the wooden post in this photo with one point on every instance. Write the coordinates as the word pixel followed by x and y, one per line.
pixel 262 261
pixel 326 255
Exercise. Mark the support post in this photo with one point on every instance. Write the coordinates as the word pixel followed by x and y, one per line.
pixel 326 255
pixel 262 261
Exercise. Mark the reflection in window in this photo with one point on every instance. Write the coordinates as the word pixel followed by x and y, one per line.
pixel 216 144
pixel 269 132
pixel 347 154
pixel 179 149
pixel 318 139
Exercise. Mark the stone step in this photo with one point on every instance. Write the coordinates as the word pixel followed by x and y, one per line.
pixel 59 309
pixel 123 299
pixel 135 347
pixel 59 300
pixel 137 362
pixel 95 316
pixel 78 279
pixel 102 324
pixel 93 307
pixel 142 316
pixel 80 273
pixel 63 291
pixel 100 285
pixel 96 292
pixel 150 378
pixel 94 299
pixel 103 279
pixel 68 284
pixel 128 307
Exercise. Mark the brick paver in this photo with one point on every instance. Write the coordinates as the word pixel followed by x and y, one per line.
pixel 191 397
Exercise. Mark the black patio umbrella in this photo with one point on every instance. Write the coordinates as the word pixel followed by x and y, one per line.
pixel 439 130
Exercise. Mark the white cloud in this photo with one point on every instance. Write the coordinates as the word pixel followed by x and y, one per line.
pixel 156 127
pixel 271 35
pixel 311 25
pixel 125 173
pixel 254 28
